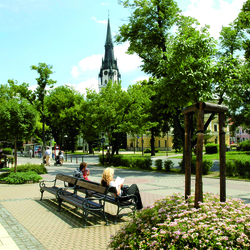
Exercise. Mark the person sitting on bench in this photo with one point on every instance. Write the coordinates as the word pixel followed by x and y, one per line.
pixel 108 180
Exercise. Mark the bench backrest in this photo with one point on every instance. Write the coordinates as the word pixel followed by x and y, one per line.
pixel 89 185
pixel 66 178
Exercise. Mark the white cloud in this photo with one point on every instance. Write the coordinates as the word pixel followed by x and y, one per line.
pixel 90 63
pixel 214 13
pixel 140 79
pixel 74 72
pixel 99 21
pixel 126 62
pixel 91 83
pixel 33 87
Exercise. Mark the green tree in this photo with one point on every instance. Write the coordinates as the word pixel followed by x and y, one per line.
pixel 63 114
pixel 18 120
pixel 181 59
pixel 114 111
pixel 36 98
pixel 243 21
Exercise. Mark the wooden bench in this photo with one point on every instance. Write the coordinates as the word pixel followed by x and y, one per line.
pixel 96 198
pixel 51 186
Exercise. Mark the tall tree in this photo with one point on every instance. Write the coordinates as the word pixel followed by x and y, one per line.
pixel 180 59
pixel 18 120
pixel 63 114
pixel 36 98
pixel 115 111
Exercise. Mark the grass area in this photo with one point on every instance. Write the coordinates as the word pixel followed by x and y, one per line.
pixel 231 155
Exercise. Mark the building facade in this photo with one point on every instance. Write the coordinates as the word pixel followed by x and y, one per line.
pixel 241 134
pixel 166 142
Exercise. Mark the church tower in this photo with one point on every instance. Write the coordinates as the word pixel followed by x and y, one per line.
pixel 109 69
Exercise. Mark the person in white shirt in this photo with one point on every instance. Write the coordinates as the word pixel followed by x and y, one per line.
pixel 108 180
pixel 48 154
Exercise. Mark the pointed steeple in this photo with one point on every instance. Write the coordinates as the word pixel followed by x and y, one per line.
pixel 109 69
pixel 109 50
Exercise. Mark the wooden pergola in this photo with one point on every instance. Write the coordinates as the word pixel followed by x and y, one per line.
pixel 200 108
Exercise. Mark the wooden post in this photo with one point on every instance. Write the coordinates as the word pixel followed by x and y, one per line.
pixel 199 155
pixel 222 157
pixel 188 154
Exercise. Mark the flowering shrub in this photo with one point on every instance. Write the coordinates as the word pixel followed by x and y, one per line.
pixel 172 223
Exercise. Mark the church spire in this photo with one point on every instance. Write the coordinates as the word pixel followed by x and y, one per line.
pixel 109 49
pixel 109 69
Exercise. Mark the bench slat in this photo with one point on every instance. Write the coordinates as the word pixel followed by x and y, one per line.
pixel 91 186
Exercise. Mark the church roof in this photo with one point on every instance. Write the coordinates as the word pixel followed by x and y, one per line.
pixel 109 61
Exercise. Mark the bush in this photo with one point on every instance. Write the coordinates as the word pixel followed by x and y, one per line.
pixel 39 169
pixel 206 166
pixel 7 151
pixel 22 177
pixel 147 151
pixel 116 160
pixel 172 223
pixel 211 148
pixel 141 163
pixel 245 145
pixel 168 165
pixel 193 166
pixel 242 168
pixel 230 168
pixel 158 164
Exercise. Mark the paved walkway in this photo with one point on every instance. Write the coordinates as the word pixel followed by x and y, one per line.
pixel 28 223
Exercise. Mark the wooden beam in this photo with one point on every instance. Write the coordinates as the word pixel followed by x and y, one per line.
pixel 222 157
pixel 199 155
pixel 215 107
pixel 208 108
pixel 188 154
pixel 189 109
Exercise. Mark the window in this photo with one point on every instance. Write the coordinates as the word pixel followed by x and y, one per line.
pixel 242 131
pixel 215 127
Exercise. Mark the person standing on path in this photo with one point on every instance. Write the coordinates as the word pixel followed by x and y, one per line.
pixel 40 152
pixel 48 154
pixel 30 151
pixel 61 156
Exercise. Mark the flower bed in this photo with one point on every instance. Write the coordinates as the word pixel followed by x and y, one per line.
pixel 172 223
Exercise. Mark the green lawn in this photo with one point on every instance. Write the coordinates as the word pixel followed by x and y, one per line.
pixel 231 155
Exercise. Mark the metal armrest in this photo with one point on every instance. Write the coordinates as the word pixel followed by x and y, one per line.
pixel 42 183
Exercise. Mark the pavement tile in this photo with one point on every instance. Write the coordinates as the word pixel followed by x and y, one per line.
pixel 35 224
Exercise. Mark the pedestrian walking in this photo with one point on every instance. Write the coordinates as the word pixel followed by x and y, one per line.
pixel 48 154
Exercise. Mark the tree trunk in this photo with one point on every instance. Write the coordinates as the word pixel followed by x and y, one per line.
pixel 15 156
pixel 91 151
pixel 152 143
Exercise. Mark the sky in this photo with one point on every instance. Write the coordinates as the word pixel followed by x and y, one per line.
pixel 70 36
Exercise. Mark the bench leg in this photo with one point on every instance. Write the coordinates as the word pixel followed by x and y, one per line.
pixel 85 216
pixel 42 191
pixel 104 215
pixel 59 204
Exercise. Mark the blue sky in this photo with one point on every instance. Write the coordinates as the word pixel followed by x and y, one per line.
pixel 70 35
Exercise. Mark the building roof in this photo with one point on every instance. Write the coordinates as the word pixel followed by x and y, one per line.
pixel 109 61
